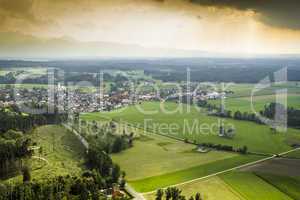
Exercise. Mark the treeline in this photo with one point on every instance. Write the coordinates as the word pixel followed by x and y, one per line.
pixel 269 111
pixel 14 146
pixel 293 115
pixel 214 110
pixel 12 118
pixel 111 143
pixel 74 77
pixel 238 115
pixel 89 186
pixel 221 74
pixel 173 193
pixel 221 147
pixel 174 69
pixel 104 136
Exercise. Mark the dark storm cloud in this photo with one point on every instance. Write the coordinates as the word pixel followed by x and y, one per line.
pixel 279 13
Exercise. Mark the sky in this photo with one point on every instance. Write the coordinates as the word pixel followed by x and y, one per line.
pixel 148 27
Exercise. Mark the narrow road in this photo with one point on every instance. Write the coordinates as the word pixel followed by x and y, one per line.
pixel 41 158
pixel 81 139
pixel 135 194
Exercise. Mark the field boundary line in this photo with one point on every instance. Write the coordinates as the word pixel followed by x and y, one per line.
pixel 237 193
pixel 274 186
pixel 227 170
pixel 217 173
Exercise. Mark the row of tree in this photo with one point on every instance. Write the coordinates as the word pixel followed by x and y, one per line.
pixel 269 111
pixel 12 118
pixel 173 193
pixel 220 147
pixel 292 114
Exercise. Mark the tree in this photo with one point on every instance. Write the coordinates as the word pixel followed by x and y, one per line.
pixel 41 151
pixel 159 194
pixel 238 115
pixel 115 173
pixel 168 193
pixel 244 150
pixel 198 196
pixel 229 114
pixel 118 145
pixel 26 174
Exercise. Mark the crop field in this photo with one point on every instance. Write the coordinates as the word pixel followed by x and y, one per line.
pixel 242 186
pixel 285 184
pixel 161 181
pixel 295 154
pixel 278 166
pixel 210 189
pixel 251 187
pixel 245 90
pixel 196 126
pixel 154 155
pixel 24 86
pixel 243 104
pixel 32 71
pixel 61 153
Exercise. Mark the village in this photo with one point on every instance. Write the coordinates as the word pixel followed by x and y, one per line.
pixel 77 100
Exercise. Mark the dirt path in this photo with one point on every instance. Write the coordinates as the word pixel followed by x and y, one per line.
pixel 41 158
pixel 135 194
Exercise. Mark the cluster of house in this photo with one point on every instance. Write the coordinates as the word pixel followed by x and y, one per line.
pixel 71 100
pixel 80 101
pixel 14 96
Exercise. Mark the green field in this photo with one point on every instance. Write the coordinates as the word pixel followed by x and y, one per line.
pixel 295 154
pixel 244 104
pixel 245 90
pixel 241 97
pixel 161 181
pixel 31 71
pixel 287 185
pixel 197 126
pixel 157 161
pixel 210 189
pixel 251 187
pixel 154 155
pixel 62 153
pixel 84 89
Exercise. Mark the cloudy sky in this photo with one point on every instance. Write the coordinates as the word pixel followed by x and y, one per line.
pixel 148 27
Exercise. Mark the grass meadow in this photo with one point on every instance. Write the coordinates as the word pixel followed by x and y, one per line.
pixel 287 185
pixel 196 126
pixel 154 155
pixel 243 104
pixel 210 189
pixel 295 154
pixel 251 187
pixel 161 181
pixel 60 148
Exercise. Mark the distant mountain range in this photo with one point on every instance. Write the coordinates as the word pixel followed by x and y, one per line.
pixel 16 45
